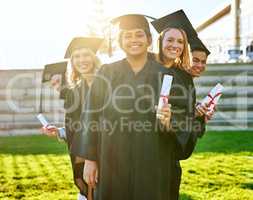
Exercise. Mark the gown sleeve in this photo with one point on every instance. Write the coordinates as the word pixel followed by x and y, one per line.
pixel 88 137
pixel 64 93
pixel 184 126
pixel 198 130
pixel 62 134
pixel 180 127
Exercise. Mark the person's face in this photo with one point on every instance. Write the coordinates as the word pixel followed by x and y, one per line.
pixel 134 42
pixel 82 61
pixel 172 44
pixel 198 63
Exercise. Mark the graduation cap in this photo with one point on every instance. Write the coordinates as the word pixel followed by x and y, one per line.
pixel 93 43
pixel 48 72
pixel 176 19
pixel 132 21
pixel 197 44
pixel 52 69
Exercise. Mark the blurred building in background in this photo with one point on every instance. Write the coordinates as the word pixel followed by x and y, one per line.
pixel 229 31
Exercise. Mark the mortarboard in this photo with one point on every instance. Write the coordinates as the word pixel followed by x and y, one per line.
pixel 52 69
pixel 176 19
pixel 93 43
pixel 197 44
pixel 48 72
pixel 132 21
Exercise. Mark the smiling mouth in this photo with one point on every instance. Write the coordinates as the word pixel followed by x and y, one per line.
pixel 196 71
pixel 84 65
pixel 173 51
pixel 135 46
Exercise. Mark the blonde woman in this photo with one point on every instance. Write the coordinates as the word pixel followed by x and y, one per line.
pixel 84 63
pixel 175 29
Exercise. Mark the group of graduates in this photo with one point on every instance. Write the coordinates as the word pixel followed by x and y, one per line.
pixel 131 154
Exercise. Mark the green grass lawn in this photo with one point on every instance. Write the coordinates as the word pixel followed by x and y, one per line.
pixel 37 167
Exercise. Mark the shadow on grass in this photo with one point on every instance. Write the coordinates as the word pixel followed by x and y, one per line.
pixel 184 196
pixel 247 186
pixel 226 142
pixel 35 144
pixel 217 142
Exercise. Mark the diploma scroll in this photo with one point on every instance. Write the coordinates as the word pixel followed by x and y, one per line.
pixel 213 97
pixel 42 120
pixel 61 134
pixel 164 94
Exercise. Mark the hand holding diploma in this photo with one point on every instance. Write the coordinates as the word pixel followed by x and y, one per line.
pixel 203 110
pixel 163 112
pixel 51 130
pixel 209 115
pixel 165 115
pixel 208 104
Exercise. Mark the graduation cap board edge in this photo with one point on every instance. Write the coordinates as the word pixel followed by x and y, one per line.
pixel 48 72
pixel 131 21
pixel 93 43
pixel 197 44
pixel 52 69
pixel 177 19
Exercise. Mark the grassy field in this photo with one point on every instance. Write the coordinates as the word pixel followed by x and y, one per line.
pixel 37 167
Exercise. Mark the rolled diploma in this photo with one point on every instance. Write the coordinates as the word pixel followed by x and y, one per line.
pixel 61 134
pixel 42 120
pixel 213 97
pixel 164 94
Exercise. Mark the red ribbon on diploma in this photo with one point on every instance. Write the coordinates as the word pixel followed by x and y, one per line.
pixel 165 99
pixel 212 98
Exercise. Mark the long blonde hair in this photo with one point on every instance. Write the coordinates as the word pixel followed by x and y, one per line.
pixel 184 60
pixel 75 76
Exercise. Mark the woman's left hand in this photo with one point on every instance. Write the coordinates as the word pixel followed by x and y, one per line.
pixel 201 109
pixel 209 115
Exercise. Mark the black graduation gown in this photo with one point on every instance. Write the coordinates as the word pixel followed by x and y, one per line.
pixel 182 102
pixel 135 163
pixel 74 99
pixel 187 127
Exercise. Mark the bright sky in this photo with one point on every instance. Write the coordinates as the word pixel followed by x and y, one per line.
pixel 36 32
